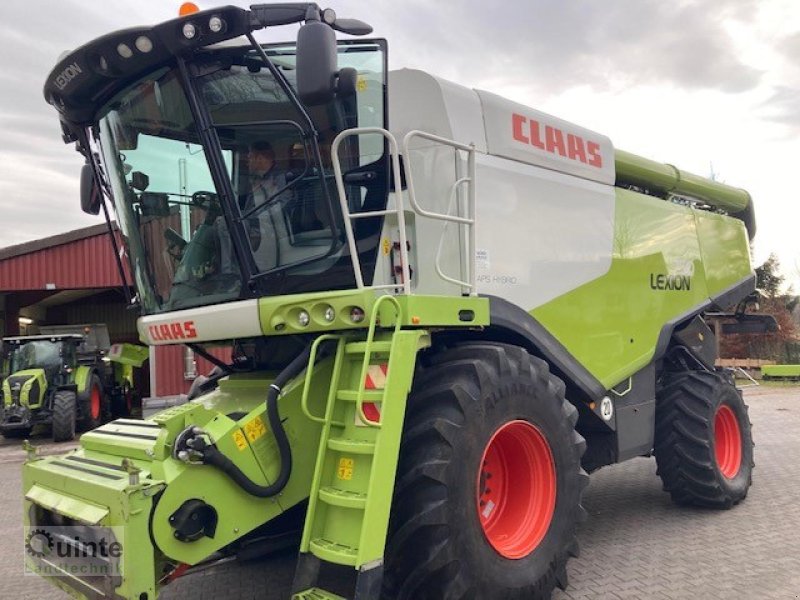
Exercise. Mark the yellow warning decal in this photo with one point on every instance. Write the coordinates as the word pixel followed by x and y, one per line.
pixel 387 246
pixel 345 470
pixel 255 429
pixel 361 84
pixel 238 438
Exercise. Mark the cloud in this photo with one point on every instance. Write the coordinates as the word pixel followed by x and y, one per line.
pixel 783 106
pixel 553 45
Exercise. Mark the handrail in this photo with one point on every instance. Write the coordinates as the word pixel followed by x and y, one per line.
pixel 437 259
pixel 469 220
pixel 309 370
pixel 348 225
pixel 368 351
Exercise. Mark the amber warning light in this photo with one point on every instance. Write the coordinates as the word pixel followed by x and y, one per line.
pixel 188 8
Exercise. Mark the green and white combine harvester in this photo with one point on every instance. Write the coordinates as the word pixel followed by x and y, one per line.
pixel 446 310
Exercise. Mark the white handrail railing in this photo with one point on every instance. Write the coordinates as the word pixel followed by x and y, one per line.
pixel 468 220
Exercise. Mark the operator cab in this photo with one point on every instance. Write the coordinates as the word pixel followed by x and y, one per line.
pixel 169 125
pixel 54 354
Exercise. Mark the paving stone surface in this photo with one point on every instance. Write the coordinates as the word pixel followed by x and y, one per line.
pixel 636 545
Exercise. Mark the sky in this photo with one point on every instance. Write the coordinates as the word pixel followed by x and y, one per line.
pixel 711 87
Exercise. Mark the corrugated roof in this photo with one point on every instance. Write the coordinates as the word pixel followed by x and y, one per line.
pixel 78 259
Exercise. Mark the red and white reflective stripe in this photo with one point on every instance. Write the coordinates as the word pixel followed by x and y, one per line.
pixel 375 380
pixel 376 377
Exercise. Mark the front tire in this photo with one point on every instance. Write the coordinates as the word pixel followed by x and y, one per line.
pixel 703 442
pixel 64 409
pixel 489 481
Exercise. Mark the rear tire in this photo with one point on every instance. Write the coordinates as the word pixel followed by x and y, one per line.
pixel 703 442
pixel 64 409
pixel 474 406
pixel 93 404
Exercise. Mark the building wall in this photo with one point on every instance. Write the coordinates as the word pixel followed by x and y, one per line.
pixel 171 368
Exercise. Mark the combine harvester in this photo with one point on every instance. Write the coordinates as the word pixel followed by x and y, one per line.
pixel 446 309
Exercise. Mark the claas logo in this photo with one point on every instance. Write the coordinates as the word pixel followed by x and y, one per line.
pixel 166 332
pixel 553 140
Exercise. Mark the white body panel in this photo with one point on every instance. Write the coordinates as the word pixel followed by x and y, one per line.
pixel 206 323
pixel 540 233
pixel 545 221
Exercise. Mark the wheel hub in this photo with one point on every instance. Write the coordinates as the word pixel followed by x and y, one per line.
pixel 727 441
pixel 516 489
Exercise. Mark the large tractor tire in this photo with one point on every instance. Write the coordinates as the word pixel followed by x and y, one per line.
pixel 489 482
pixel 93 404
pixel 64 414
pixel 703 442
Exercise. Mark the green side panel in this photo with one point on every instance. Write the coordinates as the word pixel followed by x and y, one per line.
pixel 281 315
pixel 133 355
pixel 6 393
pixel 725 250
pixel 82 375
pixel 781 370
pixel 611 324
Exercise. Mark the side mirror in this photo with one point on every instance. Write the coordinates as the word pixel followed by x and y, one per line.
pixel 91 197
pixel 316 63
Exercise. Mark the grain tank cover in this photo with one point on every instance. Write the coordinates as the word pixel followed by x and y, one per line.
pixel 521 133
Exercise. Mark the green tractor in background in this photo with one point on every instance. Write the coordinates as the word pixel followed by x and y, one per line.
pixel 68 377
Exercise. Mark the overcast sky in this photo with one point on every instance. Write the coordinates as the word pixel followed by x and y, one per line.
pixel 698 84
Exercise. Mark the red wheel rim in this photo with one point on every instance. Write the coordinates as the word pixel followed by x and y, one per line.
pixel 94 401
pixel 516 493
pixel 727 441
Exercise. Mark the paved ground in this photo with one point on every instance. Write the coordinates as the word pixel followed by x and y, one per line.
pixel 635 545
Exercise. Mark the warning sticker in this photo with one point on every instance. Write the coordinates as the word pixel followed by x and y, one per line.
pixel 345 470
pixel 361 84
pixel 239 440
pixel 255 429
pixel 387 246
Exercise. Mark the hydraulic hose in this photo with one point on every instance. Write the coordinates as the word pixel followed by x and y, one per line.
pixel 212 455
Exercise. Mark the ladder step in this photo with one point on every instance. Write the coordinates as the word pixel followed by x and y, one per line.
pixel 343 498
pixel 316 594
pixel 351 446
pixel 352 395
pixel 374 347
pixel 332 552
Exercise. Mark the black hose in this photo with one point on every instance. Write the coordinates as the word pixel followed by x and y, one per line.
pixel 212 455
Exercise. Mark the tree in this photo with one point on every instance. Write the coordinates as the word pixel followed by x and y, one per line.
pixel 768 277
pixel 775 345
